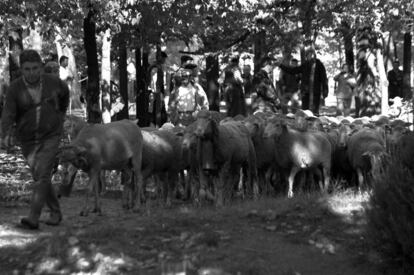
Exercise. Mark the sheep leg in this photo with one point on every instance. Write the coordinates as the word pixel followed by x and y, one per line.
pixel 93 188
pixel 326 177
pixel 293 171
pixel 360 178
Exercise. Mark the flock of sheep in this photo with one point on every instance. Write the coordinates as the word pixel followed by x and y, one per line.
pixel 218 157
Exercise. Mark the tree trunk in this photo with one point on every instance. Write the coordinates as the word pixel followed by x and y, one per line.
pixel 212 90
pixel 141 104
pixel 146 65
pixel 369 99
pixel 15 47
pixel 159 95
pixel 349 45
pixel 259 50
pixel 407 66
pixel 123 79
pixel 92 92
pixel 141 61
pixel 383 82
pixel 106 77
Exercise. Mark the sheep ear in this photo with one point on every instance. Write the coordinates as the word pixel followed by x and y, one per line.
pixel 65 152
pixel 256 125
pixel 284 125
pixel 387 129
pixel 80 150
pixel 82 157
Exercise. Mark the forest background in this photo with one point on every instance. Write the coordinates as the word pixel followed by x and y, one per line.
pixel 117 40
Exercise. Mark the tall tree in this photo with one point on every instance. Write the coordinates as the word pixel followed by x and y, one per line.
pixel 123 78
pixel 407 65
pixel 92 92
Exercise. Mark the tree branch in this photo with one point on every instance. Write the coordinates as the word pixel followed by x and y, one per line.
pixel 229 45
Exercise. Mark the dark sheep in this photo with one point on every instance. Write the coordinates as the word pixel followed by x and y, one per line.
pixel 366 153
pixel 113 146
pixel 230 147
pixel 262 145
pixel 162 156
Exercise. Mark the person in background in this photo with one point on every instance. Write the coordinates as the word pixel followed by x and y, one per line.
pixel 64 72
pixel 247 80
pixel 187 100
pixel 345 90
pixel 395 81
pixel 289 84
pixel 247 85
pixel 232 86
pixel 37 104
pixel 176 75
pixel 52 67
pixel 66 75
pixel 265 96
pixel 314 81
pixel 159 93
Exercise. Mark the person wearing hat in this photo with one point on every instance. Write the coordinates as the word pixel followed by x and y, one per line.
pixel 37 104
pixel 175 78
pixel 187 100
pixel 185 60
pixel 314 81
pixel 395 81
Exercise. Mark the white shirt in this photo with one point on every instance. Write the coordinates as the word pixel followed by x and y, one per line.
pixel 186 98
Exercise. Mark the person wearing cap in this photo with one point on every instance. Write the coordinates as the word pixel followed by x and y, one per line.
pixel 395 81
pixel 36 103
pixel 185 60
pixel 187 100
pixel 312 71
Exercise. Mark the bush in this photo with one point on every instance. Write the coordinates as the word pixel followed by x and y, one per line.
pixel 390 214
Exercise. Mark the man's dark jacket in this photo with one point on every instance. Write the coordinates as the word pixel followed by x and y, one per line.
pixel 320 83
pixel 36 121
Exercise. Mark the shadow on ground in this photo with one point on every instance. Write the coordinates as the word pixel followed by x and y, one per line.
pixel 310 234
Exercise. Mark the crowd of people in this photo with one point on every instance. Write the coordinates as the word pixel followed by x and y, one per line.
pixel 183 94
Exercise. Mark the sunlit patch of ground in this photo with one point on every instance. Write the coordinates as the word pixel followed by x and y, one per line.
pixel 10 236
pixel 347 202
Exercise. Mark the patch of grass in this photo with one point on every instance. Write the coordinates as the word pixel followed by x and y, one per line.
pixel 390 215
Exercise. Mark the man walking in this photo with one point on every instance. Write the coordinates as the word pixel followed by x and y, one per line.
pixel 37 104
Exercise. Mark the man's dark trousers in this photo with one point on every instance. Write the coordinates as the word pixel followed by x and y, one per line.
pixel 41 156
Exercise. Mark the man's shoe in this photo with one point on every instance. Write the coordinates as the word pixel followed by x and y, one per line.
pixel 26 223
pixel 54 220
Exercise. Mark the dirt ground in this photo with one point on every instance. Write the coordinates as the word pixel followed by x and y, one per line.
pixel 309 234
